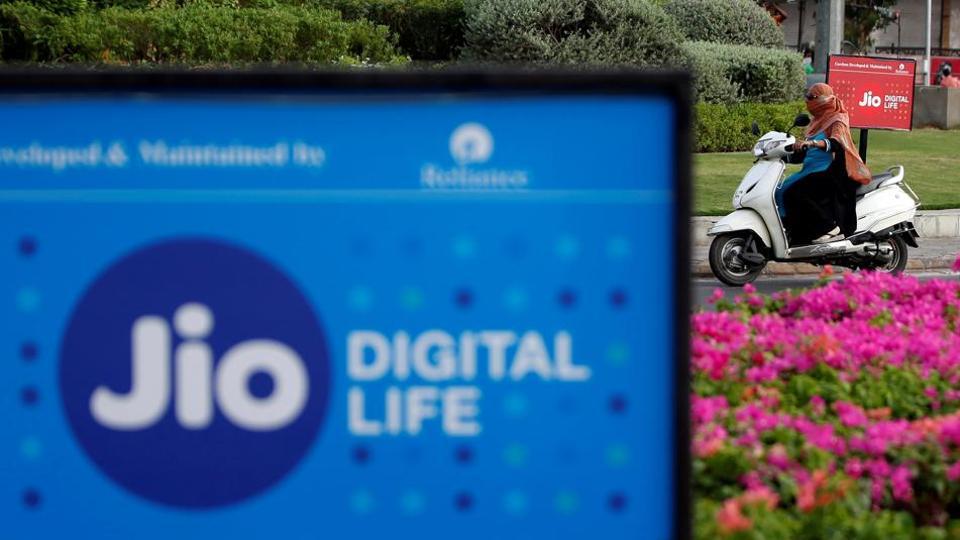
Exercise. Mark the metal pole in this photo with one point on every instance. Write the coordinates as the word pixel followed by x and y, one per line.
pixel 800 25
pixel 864 135
pixel 926 59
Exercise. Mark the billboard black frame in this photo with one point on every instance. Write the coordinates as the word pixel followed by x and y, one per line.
pixel 675 86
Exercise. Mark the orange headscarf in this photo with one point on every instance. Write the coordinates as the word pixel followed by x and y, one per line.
pixel 830 116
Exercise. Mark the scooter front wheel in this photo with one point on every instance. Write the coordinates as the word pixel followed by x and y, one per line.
pixel 725 261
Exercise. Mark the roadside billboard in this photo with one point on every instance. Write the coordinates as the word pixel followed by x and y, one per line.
pixel 877 92
pixel 350 305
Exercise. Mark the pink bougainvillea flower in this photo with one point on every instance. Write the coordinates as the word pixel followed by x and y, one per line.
pixel 760 496
pixel 808 496
pixel 877 490
pixel 730 518
pixel 900 484
pixel 716 296
pixel 850 415
pixel 818 405
pixel 854 468
pixel 862 340
pixel 709 441
pixel 956 264
pixel 953 473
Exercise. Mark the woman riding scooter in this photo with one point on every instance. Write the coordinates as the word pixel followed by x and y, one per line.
pixel 818 204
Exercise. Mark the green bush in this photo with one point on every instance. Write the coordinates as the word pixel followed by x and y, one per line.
pixel 573 32
pixel 195 34
pixel 60 7
pixel 726 128
pixel 711 82
pixel 736 22
pixel 751 73
pixel 430 30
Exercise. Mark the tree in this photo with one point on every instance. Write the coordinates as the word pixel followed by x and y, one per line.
pixel 863 17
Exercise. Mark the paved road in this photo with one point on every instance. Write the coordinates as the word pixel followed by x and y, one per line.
pixel 703 288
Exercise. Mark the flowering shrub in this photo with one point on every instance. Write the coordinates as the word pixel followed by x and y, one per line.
pixel 829 413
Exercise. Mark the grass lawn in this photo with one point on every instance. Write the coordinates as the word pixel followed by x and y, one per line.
pixel 931 158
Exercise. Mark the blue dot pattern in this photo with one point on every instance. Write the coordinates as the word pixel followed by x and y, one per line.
pixel 27 246
pixel 28 300
pixel 514 404
pixel 413 502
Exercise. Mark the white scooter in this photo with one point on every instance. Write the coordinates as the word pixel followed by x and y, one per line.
pixel 745 240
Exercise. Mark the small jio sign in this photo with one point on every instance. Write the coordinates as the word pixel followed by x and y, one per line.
pixel 877 92
pixel 344 305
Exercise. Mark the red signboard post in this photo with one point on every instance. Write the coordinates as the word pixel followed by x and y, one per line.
pixel 877 92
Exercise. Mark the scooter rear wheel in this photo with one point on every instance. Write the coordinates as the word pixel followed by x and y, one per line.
pixel 725 259
pixel 898 259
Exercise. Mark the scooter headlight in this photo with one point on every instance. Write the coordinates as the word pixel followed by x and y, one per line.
pixel 763 147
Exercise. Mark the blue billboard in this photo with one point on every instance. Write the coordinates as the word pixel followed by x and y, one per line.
pixel 343 306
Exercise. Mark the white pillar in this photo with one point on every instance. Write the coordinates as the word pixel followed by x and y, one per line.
pixel 926 59
pixel 829 32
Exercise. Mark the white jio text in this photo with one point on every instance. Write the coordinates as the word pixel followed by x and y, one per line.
pixel 436 356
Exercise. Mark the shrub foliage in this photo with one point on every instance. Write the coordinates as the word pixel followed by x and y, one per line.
pixel 573 32
pixel 734 73
pixel 429 30
pixel 726 128
pixel 192 34
pixel 738 22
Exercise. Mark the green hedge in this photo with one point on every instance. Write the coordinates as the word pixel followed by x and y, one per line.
pixel 195 34
pixel 429 30
pixel 571 32
pixel 711 81
pixel 736 22
pixel 734 73
pixel 726 128
pixel 63 7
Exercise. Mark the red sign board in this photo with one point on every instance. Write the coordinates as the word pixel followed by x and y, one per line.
pixel 937 62
pixel 877 92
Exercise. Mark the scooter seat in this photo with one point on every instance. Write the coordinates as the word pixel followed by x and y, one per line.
pixel 874 183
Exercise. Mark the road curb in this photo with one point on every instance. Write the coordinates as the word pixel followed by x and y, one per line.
pixel 929 224
pixel 701 268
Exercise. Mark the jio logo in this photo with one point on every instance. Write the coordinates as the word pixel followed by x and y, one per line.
pixel 194 373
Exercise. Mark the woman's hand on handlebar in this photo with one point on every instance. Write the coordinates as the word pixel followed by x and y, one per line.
pixel 807 144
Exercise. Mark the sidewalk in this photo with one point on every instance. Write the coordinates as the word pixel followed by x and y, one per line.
pixel 939 246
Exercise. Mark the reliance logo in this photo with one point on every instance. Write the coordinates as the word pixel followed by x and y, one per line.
pixel 471 144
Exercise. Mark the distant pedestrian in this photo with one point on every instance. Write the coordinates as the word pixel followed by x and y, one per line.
pixel 808 61
pixel 946 77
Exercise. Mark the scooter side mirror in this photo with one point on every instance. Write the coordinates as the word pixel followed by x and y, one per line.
pixel 801 120
pixel 755 129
